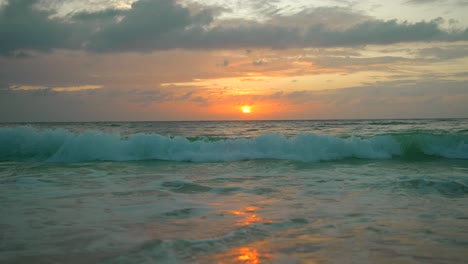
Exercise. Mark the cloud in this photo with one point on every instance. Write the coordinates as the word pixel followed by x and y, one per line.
pixel 258 62
pixel 144 24
pixel 76 88
pixel 391 99
pixel 382 32
pixel 461 74
pixel 26 88
pixel 165 24
pixel 65 8
pixel 444 53
pixel 335 18
pixel 450 2
pixel 417 2
pixel 23 27
pixel 358 63
pixel 54 89
pixel 147 97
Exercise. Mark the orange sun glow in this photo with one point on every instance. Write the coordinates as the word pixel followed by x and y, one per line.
pixel 245 109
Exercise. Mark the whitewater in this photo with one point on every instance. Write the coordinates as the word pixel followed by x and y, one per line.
pixel 320 191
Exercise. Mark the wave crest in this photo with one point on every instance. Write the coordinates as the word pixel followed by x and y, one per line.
pixel 26 143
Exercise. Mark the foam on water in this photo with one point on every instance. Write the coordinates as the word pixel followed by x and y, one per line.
pixel 57 145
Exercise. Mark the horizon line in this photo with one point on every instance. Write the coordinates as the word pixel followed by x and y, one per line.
pixel 235 120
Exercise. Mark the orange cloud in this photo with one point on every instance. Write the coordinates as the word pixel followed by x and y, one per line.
pixel 26 88
pixel 76 88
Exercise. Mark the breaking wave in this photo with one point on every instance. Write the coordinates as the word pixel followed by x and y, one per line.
pixel 27 143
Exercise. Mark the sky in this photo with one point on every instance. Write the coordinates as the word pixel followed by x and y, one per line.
pixel 151 60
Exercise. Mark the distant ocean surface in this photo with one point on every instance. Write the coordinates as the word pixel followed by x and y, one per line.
pixel 328 191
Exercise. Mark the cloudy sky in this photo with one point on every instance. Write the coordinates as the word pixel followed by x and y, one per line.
pixel 110 60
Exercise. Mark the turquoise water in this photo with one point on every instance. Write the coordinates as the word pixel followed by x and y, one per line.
pixel 357 191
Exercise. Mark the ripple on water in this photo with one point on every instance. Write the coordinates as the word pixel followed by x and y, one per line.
pixel 185 187
pixel 182 213
pixel 185 251
pixel 446 187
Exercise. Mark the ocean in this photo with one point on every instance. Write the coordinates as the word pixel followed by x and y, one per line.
pixel 325 191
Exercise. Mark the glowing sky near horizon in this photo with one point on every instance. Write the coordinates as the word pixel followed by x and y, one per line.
pixel 205 59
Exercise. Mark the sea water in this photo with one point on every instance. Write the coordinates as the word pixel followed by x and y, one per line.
pixel 334 191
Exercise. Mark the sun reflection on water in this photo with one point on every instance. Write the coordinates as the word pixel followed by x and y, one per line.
pixel 248 216
pixel 248 255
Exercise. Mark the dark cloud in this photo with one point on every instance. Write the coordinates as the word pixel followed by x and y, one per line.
pixel 22 26
pixel 382 32
pixel 144 24
pixel 185 96
pixel 165 24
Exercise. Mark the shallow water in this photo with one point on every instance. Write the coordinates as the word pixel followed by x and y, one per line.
pixel 232 192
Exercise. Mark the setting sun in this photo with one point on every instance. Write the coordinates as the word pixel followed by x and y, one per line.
pixel 245 109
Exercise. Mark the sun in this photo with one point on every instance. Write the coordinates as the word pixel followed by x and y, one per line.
pixel 245 109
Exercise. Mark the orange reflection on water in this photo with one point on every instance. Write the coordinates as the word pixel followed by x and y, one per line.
pixel 248 216
pixel 248 255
